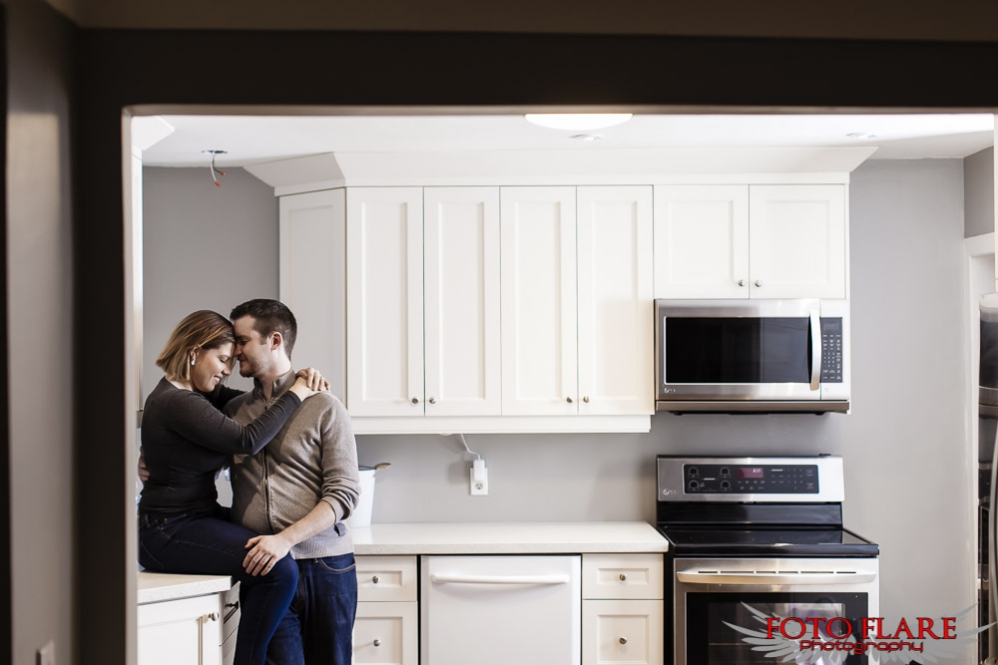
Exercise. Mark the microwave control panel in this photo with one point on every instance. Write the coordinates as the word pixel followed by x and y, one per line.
pixel 831 350
pixel 751 478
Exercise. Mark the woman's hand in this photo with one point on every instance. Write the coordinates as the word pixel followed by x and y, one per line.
pixel 264 553
pixel 300 388
pixel 314 379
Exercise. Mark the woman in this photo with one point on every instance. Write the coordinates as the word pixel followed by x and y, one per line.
pixel 185 441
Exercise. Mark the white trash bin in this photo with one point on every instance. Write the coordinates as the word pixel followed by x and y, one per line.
pixel 361 515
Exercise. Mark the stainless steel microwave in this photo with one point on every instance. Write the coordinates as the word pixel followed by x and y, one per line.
pixel 752 355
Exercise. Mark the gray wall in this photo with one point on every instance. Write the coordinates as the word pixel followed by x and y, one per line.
pixel 904 448
pixel 205 247
pixel 979 193
pixel 40 310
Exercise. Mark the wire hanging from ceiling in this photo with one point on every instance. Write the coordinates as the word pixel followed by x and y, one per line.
pixel 215 172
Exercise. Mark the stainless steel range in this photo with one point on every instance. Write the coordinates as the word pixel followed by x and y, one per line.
pixel 762 532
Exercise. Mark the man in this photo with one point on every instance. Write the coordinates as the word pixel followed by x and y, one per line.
pixel 297 491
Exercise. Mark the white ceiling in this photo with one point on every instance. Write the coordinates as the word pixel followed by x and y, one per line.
pixel 255 139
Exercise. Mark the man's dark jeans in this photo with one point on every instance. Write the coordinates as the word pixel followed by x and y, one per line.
pixel 318 627
pixel 198 544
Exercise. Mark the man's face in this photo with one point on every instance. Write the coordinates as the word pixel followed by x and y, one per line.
pixel 252 350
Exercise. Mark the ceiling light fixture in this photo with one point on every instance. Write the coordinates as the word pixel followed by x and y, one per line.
pixel 577 121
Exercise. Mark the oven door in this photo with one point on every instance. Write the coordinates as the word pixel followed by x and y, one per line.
pixel 712 592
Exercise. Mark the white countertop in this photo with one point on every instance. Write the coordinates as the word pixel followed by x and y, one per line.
pixel 508 538
pixel 155 587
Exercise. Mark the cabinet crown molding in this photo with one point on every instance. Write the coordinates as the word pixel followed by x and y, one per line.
pixel 561 167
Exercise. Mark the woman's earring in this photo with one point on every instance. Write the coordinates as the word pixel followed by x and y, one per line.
pixel 192 361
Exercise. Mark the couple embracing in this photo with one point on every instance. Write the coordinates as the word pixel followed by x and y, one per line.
pixel 294 479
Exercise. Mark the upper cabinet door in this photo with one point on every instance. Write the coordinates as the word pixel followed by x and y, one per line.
pixel 313 239
pixel 538 284
pixel 798 247
pixel 461 301
pixel 701 241
pixel 616 349
pixel 385 301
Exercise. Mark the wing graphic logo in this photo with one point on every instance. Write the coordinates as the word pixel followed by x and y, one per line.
pixel 824 641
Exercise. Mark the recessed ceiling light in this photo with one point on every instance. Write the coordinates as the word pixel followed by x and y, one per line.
pixel 577 121
pixel 861 135
pixel 586 137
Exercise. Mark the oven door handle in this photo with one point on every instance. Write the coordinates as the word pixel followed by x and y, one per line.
pixel 767 578
pixel 815 349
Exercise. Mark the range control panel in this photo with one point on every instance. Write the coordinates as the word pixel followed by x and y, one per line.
pixel 751 478
pixel 831 350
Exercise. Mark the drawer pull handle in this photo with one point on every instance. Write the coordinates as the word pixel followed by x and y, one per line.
pixel 623 640
pixel 623 577
pixel 374 580
pixel 209 617
pixel 234 605
pixel 377 643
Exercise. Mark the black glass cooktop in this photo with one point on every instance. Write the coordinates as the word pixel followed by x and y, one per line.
pixel 707 541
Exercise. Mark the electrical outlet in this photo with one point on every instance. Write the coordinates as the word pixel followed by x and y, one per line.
pixel 46 655
pixel 479 478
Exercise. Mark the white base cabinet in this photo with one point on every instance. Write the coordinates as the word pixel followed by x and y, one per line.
pixel 200 630
pixel 623 609
pixel 386 628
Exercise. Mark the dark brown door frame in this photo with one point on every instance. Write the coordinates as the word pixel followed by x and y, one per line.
pixel 121 69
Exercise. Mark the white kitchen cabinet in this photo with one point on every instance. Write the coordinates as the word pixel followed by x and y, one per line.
pixel 386 627
pixel 623 631
pixel 797 245
pixel 701 241
pixel 495 610
pixel 615 275
pixel 750 241
pixel 313 280
pixel 623 609
pixel 539 301
pixel 186 631
pixel 461 301
pixel 385 301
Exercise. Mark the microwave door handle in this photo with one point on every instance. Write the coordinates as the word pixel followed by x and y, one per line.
pixel 815 350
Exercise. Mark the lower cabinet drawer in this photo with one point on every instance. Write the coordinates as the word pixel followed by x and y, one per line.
pixel 386 578
pixel 229 650
pixel 623 631
pixel 386 633
pixel 230 612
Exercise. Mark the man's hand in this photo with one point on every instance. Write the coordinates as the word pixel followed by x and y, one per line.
pixel 264 553
pixel 313 379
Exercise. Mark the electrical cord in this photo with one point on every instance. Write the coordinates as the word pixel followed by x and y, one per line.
pixel 464 443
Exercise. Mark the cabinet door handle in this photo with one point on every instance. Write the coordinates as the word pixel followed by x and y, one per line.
pixel 741 282
pixel 209 617
pixel 586 399
pixel 569 399
pixel 374 580
pixel 623 640
pixel 758 282
pixel 377 643
pixel 623 577
pixel 415 400
pixel 433 400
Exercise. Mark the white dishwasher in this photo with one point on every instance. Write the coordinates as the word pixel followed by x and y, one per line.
pixel 497 610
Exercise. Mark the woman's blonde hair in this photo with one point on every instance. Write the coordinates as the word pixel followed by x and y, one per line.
pixel 203 329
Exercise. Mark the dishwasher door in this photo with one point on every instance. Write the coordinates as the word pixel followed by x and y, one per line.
pixel 496 610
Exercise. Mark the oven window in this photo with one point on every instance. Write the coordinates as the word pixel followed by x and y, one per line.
pixel 710 642
pixel 737 350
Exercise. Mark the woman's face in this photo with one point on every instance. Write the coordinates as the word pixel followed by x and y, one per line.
pixel 210 367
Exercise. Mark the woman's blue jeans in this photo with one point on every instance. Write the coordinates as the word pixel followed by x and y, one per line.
pixel 199 544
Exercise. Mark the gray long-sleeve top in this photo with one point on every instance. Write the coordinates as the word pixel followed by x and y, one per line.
pixel 186 439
